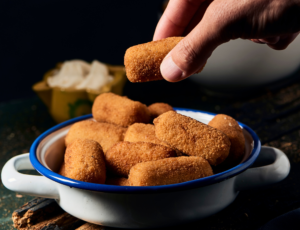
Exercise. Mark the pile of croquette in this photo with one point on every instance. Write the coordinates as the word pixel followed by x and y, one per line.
pixel 130 144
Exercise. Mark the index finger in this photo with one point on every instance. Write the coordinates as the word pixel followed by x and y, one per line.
pixel 176 18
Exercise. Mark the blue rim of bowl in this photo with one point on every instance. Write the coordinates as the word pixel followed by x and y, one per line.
pixel 216 178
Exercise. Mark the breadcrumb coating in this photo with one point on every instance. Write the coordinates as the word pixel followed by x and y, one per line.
pixel 84 161
pixel 112 108
pixel 145 133
pixel 142 62
pixel 122 156
pixel 169 171
pixel 104 133
pixel 142 132
pixel 192 137
pixel 234 132
pixel 159 108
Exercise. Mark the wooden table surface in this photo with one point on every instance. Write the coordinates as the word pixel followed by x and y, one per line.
pixel 273 112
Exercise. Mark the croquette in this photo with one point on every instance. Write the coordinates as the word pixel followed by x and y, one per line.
pixel 192 137
pixel 62 169
pixel 157 109
pixel 142 62
pixel 145 133
pixel 120 181
pixel 234 132
pixel 122 156
pixel 112 108
pixel 169 171
pixel 142 132
pixel 104 133
pixel 84 161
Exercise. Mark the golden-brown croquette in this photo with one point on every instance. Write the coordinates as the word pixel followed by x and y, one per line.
pixel 104 133
pixel 62 169
pixel 142 62
pixel 142 132
pixel 169 171
pixel 122 156
pixel 192 137
pixel 84 161
pixel 157 109
pixel 112 108
pixel 234 132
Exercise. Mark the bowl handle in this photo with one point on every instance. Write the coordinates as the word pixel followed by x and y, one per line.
pixel 26 184
pixel 271 166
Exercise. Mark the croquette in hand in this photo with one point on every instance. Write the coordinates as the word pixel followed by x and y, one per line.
pixel 142 62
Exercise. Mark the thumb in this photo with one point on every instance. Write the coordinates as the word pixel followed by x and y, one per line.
pixel 191 53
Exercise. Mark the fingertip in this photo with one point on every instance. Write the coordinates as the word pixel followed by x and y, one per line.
pixel 271 40
pixel 284 42
pixel 170 71
pixel 257 41
pixel 279 46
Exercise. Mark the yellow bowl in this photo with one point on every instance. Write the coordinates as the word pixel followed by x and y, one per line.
pixel 64 104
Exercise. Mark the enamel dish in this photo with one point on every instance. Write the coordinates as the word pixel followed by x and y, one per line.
pixel 141 207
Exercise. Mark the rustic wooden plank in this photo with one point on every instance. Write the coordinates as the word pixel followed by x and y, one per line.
pixel 63 221
pixel 89 226
pixel 35 211
pixel 24 208
pixel 42 213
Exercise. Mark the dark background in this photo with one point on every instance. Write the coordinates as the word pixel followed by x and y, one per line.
pixel 35 35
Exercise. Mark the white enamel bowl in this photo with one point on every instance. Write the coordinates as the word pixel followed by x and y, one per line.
pixel 241 64
pixel 141 207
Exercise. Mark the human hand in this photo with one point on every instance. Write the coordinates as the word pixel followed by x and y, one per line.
pixel 208 24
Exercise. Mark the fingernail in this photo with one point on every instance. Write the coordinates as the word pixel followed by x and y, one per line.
pixel 271 40
pixel 261 41
pixel 169 70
